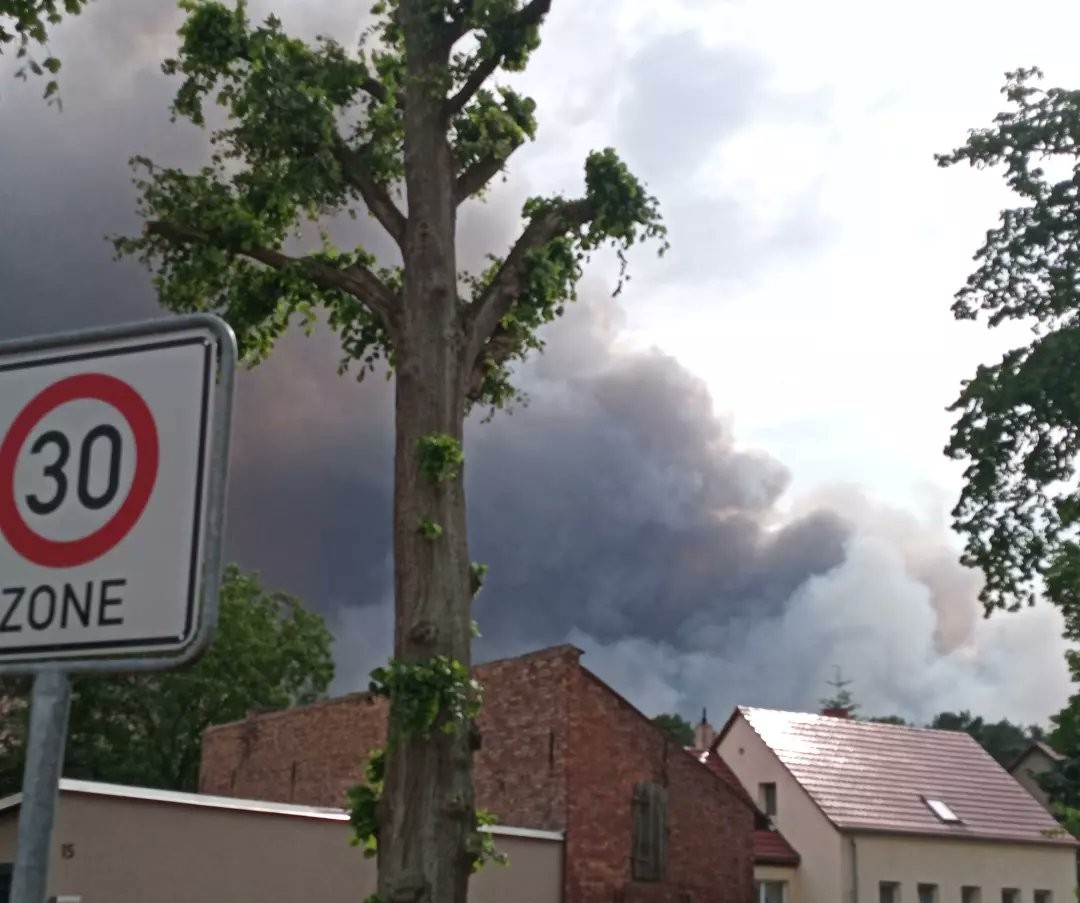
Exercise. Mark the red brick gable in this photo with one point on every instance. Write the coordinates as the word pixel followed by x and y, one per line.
pixel 560 751
pixel 770 846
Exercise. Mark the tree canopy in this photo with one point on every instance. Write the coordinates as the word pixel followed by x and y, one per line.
pixel 1018 423
pixel 1003 739
pixel 146 730
pixel 842 697
pixel 678 729
pixel 317 131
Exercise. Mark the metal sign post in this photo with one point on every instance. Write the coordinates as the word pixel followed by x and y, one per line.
pixel 113 463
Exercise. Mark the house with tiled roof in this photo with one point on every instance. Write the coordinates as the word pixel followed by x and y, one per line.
pixel 882 813
pixel 1037 759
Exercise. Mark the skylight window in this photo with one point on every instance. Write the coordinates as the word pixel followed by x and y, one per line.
pixel 941 810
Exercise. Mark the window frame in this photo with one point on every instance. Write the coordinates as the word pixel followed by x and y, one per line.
pixel 894 891
pixel 760 889
pixel 765 790
pixel 934 890
pixel 942 810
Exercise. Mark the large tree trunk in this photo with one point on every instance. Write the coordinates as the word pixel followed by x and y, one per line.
pixel 426 817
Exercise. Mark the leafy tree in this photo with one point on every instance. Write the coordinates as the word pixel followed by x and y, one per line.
pixel 1018 425
pixel 842 697
pixel 1065 725
pixel 26 23
pixel 888 719
pixel 146 730
pixel 315 131
pixel 1002 739
pixel 678 729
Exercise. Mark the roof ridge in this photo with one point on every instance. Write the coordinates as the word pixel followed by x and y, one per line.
pixel 863 722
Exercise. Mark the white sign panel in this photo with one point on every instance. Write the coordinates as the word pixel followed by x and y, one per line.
pixel 104 458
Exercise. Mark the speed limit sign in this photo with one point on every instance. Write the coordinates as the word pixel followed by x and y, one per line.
pixel 112 459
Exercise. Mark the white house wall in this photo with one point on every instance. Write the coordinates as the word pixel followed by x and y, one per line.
pixel 819 877
pixel 952 864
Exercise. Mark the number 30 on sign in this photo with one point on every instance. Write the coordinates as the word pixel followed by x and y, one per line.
pixel 105 455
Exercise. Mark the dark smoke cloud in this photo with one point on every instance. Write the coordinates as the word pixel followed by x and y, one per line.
pixel 641 464
pixel 617 509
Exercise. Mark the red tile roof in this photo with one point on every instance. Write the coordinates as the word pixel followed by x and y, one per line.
pixel 874 777
pixel 770 846
pixel 713 761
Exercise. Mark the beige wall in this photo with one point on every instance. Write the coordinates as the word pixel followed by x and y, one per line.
pixel 1035 761
pixel 951 864
pixel 786 874
pixel 818 879
pixel 133 851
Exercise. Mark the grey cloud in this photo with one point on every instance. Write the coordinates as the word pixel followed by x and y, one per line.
pixel 683 102
pixel 684 98
pixel 615 510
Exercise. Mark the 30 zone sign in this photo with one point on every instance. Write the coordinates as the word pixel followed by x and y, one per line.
pixel 105 458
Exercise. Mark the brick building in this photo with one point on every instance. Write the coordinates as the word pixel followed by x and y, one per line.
pixel 643 820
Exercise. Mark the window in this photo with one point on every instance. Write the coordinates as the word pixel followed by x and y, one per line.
pixel 928 893
pixel 1044 896
pixel 771 891
pixel 650 833
pixel 970 894
pixel 1010 895
pixel 941 810
pixel 767 799
pixel 889 892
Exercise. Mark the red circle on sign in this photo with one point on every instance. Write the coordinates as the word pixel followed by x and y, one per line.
pixel 52 553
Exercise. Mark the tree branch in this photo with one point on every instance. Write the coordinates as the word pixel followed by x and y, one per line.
pixel 530 14
pixel 482 317
pixel 376 197
pixel 477 176
pixel 500 348
pixel 377 90
pixel 355 280
pixel 483 71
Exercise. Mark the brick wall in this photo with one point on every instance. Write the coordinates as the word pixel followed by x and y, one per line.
pixel 560 750
pixel 314 754
pixel 613 747
pixel 310 755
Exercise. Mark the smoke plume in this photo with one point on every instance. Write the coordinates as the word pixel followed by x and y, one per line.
pixel 617 510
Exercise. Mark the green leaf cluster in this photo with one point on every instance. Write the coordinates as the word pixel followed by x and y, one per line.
pixel 363 804
pixel 436 694
pixel 429 529
pixel 485 851
pixel 441 457
pixel 27 22
pixel 146 729
pixel 1018 421
pixel 616 211
pixel 363 808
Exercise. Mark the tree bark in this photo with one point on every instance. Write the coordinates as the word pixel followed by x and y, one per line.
pixel 426 815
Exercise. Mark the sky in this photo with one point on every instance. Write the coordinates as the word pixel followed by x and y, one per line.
pixel 730 479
